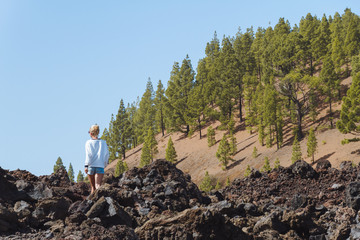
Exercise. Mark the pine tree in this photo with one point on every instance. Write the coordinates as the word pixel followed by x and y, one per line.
pixel 350 109
pixel 311 144
pixel 227 184
pixel 178 92
pixel 197 104
pixel 211 136
pixel 111 140
pixel 266 167
pixel 205 184
pixel 145 116
pixel 80 177
pixel 242 47
pixel 231 125
pixel 208 72
pixel 355 65
pixel 233 145
pixel 150 139
pixel 255 153
pixel 296 151
pixel 330 84
pixel 145 158
pixel 247 171
pixel 223 152
pixel 121 131
pixel 277 163
pixel 120 168
pixel 170 154
pixel 308 26
pixel 58 164
pixel 218 185
pixel 159 102
pixel 71 173
pixel 352 39
pixel 337 43
pixel 291 86
pixel 322 40
pixel 132 110
pixel 227 74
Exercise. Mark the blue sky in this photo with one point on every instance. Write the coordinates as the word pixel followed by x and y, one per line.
pixel 65 65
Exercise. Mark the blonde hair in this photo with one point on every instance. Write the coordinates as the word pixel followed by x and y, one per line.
pixel 94 130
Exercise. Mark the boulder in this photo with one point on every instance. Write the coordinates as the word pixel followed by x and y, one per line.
pixel 323 165
pixel 51 209
pixel 200 223
pixel 271 221
pixel 8 219
pixel 352 195
pixel 303 169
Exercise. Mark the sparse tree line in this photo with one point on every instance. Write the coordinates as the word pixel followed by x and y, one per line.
pixel 264 80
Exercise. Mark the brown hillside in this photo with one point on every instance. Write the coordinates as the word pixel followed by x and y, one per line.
pixel 195 157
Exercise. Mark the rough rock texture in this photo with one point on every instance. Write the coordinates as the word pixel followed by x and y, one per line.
pixel 160 202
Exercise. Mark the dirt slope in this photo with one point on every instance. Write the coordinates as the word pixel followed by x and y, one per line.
pixel 195 157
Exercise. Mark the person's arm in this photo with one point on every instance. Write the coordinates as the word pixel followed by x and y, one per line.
pixel 106 158
pixel 87 156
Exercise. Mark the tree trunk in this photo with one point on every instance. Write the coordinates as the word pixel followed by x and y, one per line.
pixel 162 123
pixel 199 121
pixel 300 134
pixel 240 109
pixel 331 114
pixel 123 152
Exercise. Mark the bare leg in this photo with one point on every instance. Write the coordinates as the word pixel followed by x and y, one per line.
pixel 98 180
pixel 92 182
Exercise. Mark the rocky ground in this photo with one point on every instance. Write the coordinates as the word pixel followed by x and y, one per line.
pixel 161 202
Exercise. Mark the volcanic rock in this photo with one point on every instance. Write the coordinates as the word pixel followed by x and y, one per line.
pixel 159 201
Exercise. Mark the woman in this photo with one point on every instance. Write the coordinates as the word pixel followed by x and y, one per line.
pixel 97 156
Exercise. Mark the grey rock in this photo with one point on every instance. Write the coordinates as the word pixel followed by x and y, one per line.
pixel 352 195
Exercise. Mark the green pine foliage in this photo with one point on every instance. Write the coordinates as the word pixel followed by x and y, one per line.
pixel 233 145
pixel 211 136
pixel 170 154
pixel 269 73
pixel 311 144
pixel 150 139
pixel 144 117
pixel 277 163
pixel 228 183
pixel 159 102
pixel 197 104
pixel 296 151
pixel 247 171
pixel 224 152
pixel 350 109
pixel 266 167
pixel 255 152
pixel 121 131
pixel 120 168
pixel 58 164
pixel 149 149
pixel 145 158
pixel 180 85
pixel 231 125
pixel 218 185
pixel 206 184
pixel 80 177
pixel 329 84
pixel 71 173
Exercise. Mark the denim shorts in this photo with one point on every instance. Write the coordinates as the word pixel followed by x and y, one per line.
pixel 93 170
